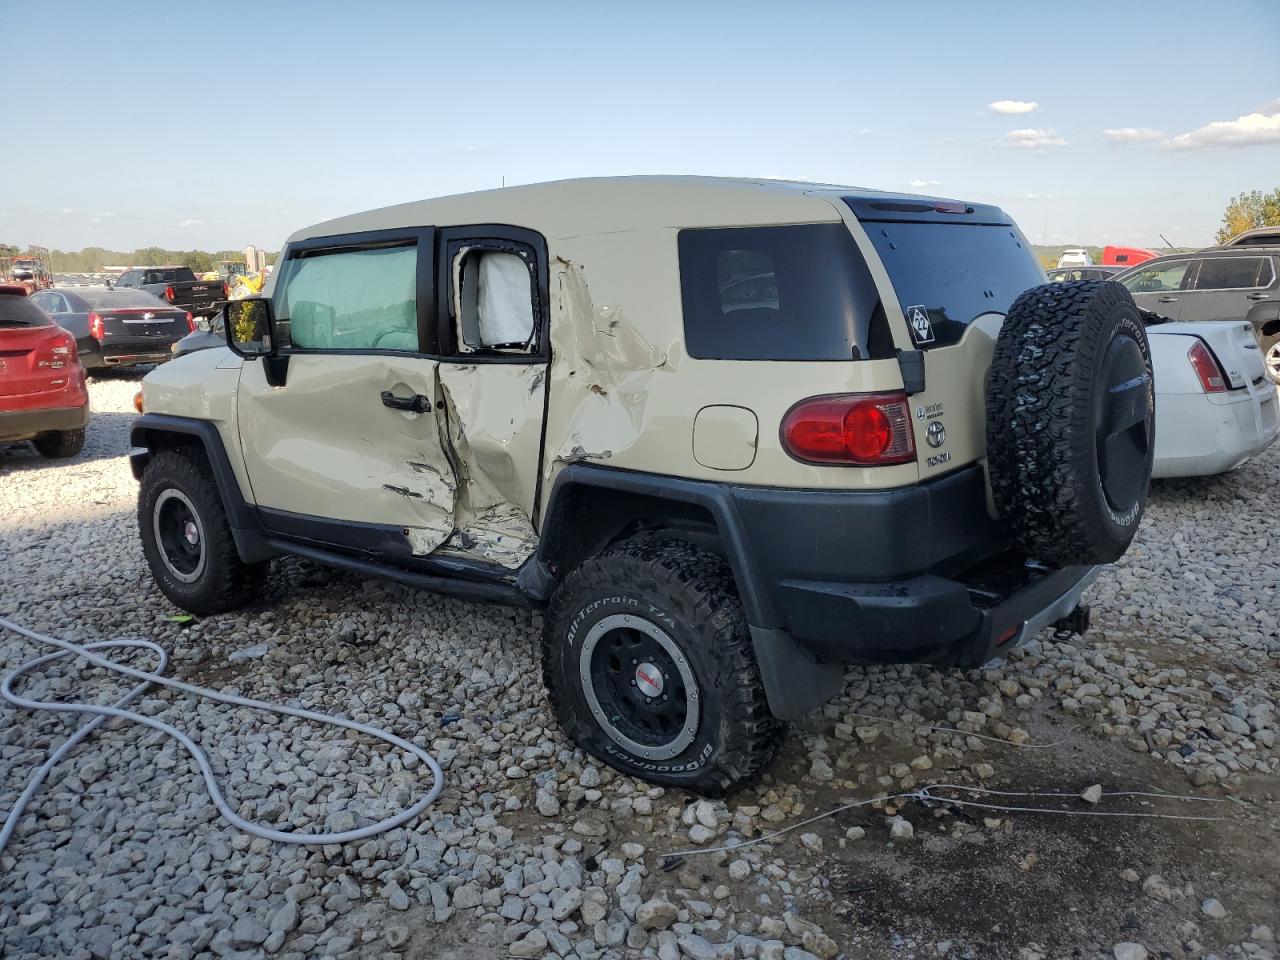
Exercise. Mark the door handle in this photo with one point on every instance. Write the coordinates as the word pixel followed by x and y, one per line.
pixel 414 404
pixel 1167 300
pixel 1258 296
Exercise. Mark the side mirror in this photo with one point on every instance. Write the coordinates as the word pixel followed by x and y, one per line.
pixel 248 325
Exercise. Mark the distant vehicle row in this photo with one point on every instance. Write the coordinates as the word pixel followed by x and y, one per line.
pixel 178 286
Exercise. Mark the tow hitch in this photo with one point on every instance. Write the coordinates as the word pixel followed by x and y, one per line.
pixel 1075 622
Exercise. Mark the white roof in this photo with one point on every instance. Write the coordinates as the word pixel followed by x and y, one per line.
pixel 568 208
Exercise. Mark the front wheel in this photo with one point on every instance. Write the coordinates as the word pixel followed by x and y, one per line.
pixel 60 444
pixel 186 537
pixel 648 662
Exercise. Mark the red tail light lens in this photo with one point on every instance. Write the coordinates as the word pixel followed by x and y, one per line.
pixel 1212 379
pixel 95 326
pixel 226 291
pixel 169 294
pixel 856 429
pixel 191 323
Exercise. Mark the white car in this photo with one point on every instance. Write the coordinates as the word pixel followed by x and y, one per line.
pixel 1075 257
pixel 1215 407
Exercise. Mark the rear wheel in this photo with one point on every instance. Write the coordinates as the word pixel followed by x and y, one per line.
pixel 60 444
pixel 649 666
pixel 186 538
pixel 1273 362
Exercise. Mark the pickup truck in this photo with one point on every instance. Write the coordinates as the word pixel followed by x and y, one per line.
pixel 178 286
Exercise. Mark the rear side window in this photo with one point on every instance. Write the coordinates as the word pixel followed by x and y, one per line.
pixel 20 312
pixel 779 293
pixel 946 275
pixel 122 299
pixel 1234 273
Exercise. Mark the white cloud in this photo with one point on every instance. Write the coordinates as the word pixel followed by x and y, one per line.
pixel 104 213
pixel 1251 130
pixel 191 223
pixel 865 130
pixel 1013 106
pixel 1127 135
pixel 924 183
pixel 67 210
pixel 1032 138
pixel 470 148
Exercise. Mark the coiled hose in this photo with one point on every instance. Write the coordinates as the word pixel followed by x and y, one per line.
pixel 101 713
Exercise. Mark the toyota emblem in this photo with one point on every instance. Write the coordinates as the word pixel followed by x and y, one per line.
pixel 936 435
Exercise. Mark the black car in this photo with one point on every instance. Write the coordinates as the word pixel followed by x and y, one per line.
pixel 1095 271
pixel 207 335
pixel 116 327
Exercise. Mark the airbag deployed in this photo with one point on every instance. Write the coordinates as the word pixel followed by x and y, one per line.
pixel 505 303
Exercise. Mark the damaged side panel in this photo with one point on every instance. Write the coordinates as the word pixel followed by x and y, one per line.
pixel 493 427
pixel 325 445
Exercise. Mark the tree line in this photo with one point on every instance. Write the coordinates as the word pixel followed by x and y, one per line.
pixel 93 259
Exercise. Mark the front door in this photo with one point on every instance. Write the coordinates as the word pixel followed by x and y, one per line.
pixel 346 447
pixel 1159 286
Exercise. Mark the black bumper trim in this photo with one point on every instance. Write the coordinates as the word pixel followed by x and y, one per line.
pixel 24 424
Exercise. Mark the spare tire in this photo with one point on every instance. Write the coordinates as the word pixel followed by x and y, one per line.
pixel 1071 422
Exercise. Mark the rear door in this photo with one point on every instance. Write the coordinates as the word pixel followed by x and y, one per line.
pixel 1159 286
pixel 344 448
pixel 1226 287
pixel 955 276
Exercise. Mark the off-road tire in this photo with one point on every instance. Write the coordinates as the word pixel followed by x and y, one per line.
pixel 59 445
pixel 690 594
pixel 226 582
pixel 1046 401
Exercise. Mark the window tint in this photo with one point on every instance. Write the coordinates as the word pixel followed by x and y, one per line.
pixel 1227 273
pixel 1156 278
pixel 352 300
pixel 20 312
pixel 948 274
pixel 779 293
pixel 492 301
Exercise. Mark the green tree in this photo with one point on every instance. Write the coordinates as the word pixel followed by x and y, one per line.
pixel 1249 210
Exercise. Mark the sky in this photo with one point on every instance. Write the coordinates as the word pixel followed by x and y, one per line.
pixel 138 124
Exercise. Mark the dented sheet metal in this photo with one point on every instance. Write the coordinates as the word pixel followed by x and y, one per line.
pixel 601 375
pixel 494 426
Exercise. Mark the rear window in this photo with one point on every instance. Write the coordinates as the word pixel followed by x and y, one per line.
pixel 20 312
pixel 1234 273
pixel 946 275
pixel 120 299
pixel 171 275
pixel 779 293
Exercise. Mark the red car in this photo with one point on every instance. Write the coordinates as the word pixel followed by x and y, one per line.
pixel 42 385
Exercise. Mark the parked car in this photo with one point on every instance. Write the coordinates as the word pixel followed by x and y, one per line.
pixel 1075 257
pixel 178 287
pixel 1097 271
pixel 1257 237
pixel 43 397
pixel 116 327
pixel 555 395
pixel 207 335
pixel 1239 282
pixel 1215 409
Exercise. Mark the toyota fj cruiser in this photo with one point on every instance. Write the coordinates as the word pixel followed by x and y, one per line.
pixel 730 434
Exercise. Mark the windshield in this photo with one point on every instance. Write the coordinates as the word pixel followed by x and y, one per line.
pixel 121 299
pixel 20 312
pixel 948 274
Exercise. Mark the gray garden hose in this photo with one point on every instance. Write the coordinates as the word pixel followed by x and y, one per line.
pixel 102 713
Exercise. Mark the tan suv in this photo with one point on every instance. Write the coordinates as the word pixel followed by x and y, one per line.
pixel 731 434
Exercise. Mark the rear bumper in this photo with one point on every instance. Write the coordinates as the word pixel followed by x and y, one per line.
pixel 915 574
pixel 1197 437
pixel 124 352
pixel 25 424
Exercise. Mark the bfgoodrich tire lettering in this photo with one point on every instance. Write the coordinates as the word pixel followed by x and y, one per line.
pixel 215 579
pixel 687 596
pixel 1071 422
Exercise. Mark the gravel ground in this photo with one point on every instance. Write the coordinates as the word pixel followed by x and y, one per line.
pixel 535 851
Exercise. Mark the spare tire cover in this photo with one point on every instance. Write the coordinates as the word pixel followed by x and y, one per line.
pixel 1071 422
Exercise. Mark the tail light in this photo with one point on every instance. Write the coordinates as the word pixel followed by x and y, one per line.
pixel 169 294
pixel 1212 379
pixel 95 326
pixel 57 353
pixel 226 291
pixel 858 429
pixel 191 322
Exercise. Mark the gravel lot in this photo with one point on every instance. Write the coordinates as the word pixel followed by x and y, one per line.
pixel 533 851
